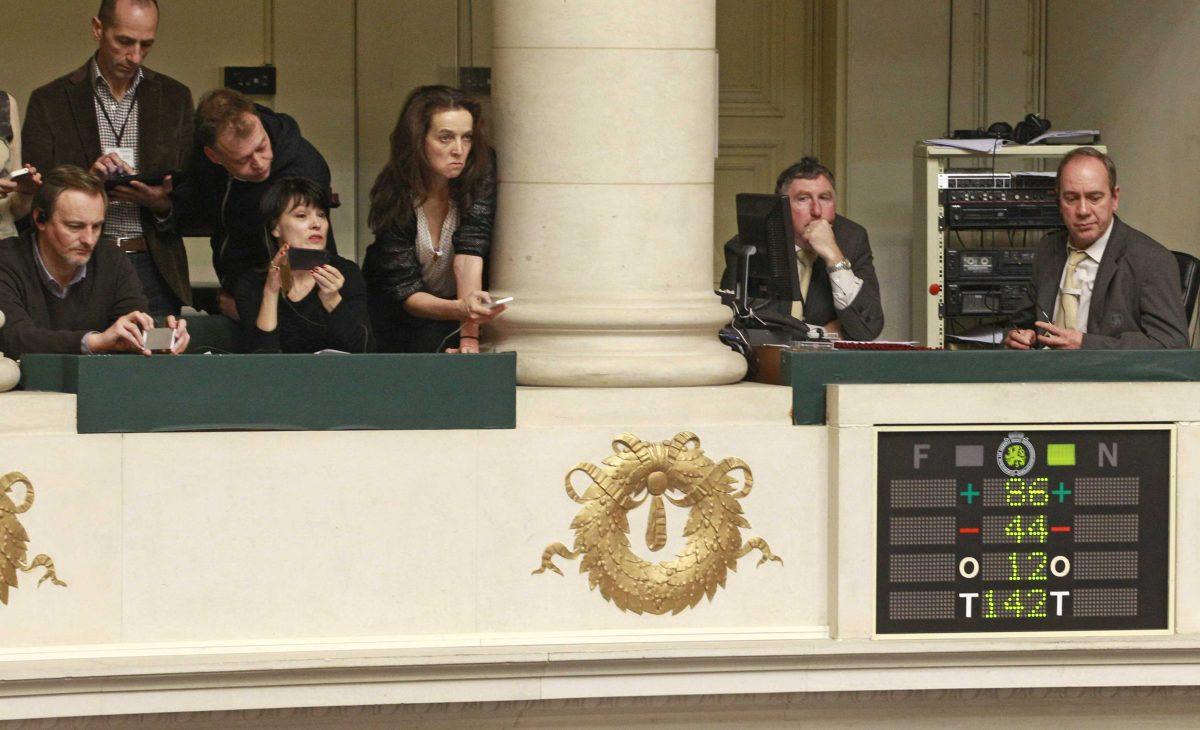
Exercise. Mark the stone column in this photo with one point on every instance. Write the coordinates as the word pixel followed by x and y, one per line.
pixel 605 114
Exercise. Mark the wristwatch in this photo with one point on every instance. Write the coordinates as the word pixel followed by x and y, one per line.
pixel 843 265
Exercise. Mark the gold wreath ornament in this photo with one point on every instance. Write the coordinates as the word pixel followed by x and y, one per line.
pixel 679 472
pixel 14 539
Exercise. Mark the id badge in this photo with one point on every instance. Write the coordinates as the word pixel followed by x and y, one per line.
pixel 128 154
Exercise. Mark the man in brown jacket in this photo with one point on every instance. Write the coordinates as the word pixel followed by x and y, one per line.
pixel 114 116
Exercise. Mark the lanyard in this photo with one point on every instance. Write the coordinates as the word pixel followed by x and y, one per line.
pixel 120 135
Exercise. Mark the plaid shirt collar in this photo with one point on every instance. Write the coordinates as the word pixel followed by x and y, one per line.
pixel 99 82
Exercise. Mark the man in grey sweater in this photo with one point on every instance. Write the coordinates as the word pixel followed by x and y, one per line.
pixel 62 289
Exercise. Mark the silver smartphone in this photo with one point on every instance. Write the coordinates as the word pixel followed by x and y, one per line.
pixel 159 339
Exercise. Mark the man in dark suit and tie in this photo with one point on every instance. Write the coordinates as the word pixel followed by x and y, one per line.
pixel 1104 284
pixel 113 116
pixel 833 258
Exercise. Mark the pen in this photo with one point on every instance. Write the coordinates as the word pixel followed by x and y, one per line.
pixel 1045 318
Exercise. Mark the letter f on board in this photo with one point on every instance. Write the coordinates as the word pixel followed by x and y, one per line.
pixel 920 453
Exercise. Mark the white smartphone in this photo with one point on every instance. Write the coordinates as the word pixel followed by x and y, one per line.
pixel 18 173
pixel 498 302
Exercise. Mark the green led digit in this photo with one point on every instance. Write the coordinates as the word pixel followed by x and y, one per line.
pixel 1013 603
pixel 989 603
pixel 1037 530
pixel 1039 573
pixel 1014 560
pixel 1014 491
pixel 1038 609
pixel 1039 496
pixel 1014 530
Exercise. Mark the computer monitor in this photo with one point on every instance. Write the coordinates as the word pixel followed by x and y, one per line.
pixel 766 264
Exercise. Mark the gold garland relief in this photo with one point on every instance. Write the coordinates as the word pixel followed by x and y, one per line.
pixel 14 540
pixel 677 471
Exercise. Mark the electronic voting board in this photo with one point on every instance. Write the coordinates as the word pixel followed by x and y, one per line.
pixel 1024 529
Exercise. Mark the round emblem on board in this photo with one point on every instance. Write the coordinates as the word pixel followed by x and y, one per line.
pixel 1015 455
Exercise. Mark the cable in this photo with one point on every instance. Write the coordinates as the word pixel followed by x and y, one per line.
pixel 442 345
pixel 950 69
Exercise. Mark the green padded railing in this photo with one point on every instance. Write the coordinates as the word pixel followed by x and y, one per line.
pixel 132 393
pixel 808 373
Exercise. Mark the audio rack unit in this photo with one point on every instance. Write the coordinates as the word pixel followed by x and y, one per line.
pixel 974 200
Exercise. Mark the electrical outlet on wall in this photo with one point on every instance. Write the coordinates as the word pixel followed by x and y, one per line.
pixel 256 80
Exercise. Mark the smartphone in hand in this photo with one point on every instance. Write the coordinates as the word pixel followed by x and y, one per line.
pixel 303 259
pixel 159 340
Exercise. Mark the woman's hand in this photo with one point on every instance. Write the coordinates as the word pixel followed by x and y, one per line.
pixel 274 280
pixel 329 285
pixel 467 344
pixel 477 308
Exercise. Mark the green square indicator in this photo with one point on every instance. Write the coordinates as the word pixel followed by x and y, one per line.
pixel 1060 454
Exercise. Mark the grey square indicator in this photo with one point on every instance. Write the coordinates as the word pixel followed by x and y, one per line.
pixel 968 455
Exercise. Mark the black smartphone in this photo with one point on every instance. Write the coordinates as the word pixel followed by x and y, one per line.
pixel 148 178
pixel 303 259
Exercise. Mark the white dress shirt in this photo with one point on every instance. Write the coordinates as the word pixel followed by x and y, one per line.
pixel 1085 272
pixel 845 285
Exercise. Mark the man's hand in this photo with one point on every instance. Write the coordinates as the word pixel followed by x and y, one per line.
pixel 477 308
pixel 819 235
pixel 182 338
pixel 833 326
pixel 123 335
pixel 1019 339
pixel 1059 338
pixel 110 164
pixel 157 198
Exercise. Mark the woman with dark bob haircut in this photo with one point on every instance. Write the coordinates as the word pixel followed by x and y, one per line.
pixel 309 299
pixel 432 208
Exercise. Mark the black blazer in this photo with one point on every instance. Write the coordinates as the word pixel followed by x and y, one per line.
pixel 60 129
pixel 863 319
pixel 1137 300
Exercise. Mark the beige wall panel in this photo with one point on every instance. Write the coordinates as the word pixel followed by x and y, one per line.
pixel 742 167
pixel 752 37
pixel 605 24
pixel 291 535
pixel 402 44
pixel 76 520
pixel 476 24
pixel 767 95
pixel 195 39
pixel 667 117
pixel 1128 69
pixel 636 221
pixel 314 50
pixel 406 538
pixel 897 95
pixel 1187 524
pixel 1009 52
pixel 524 508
